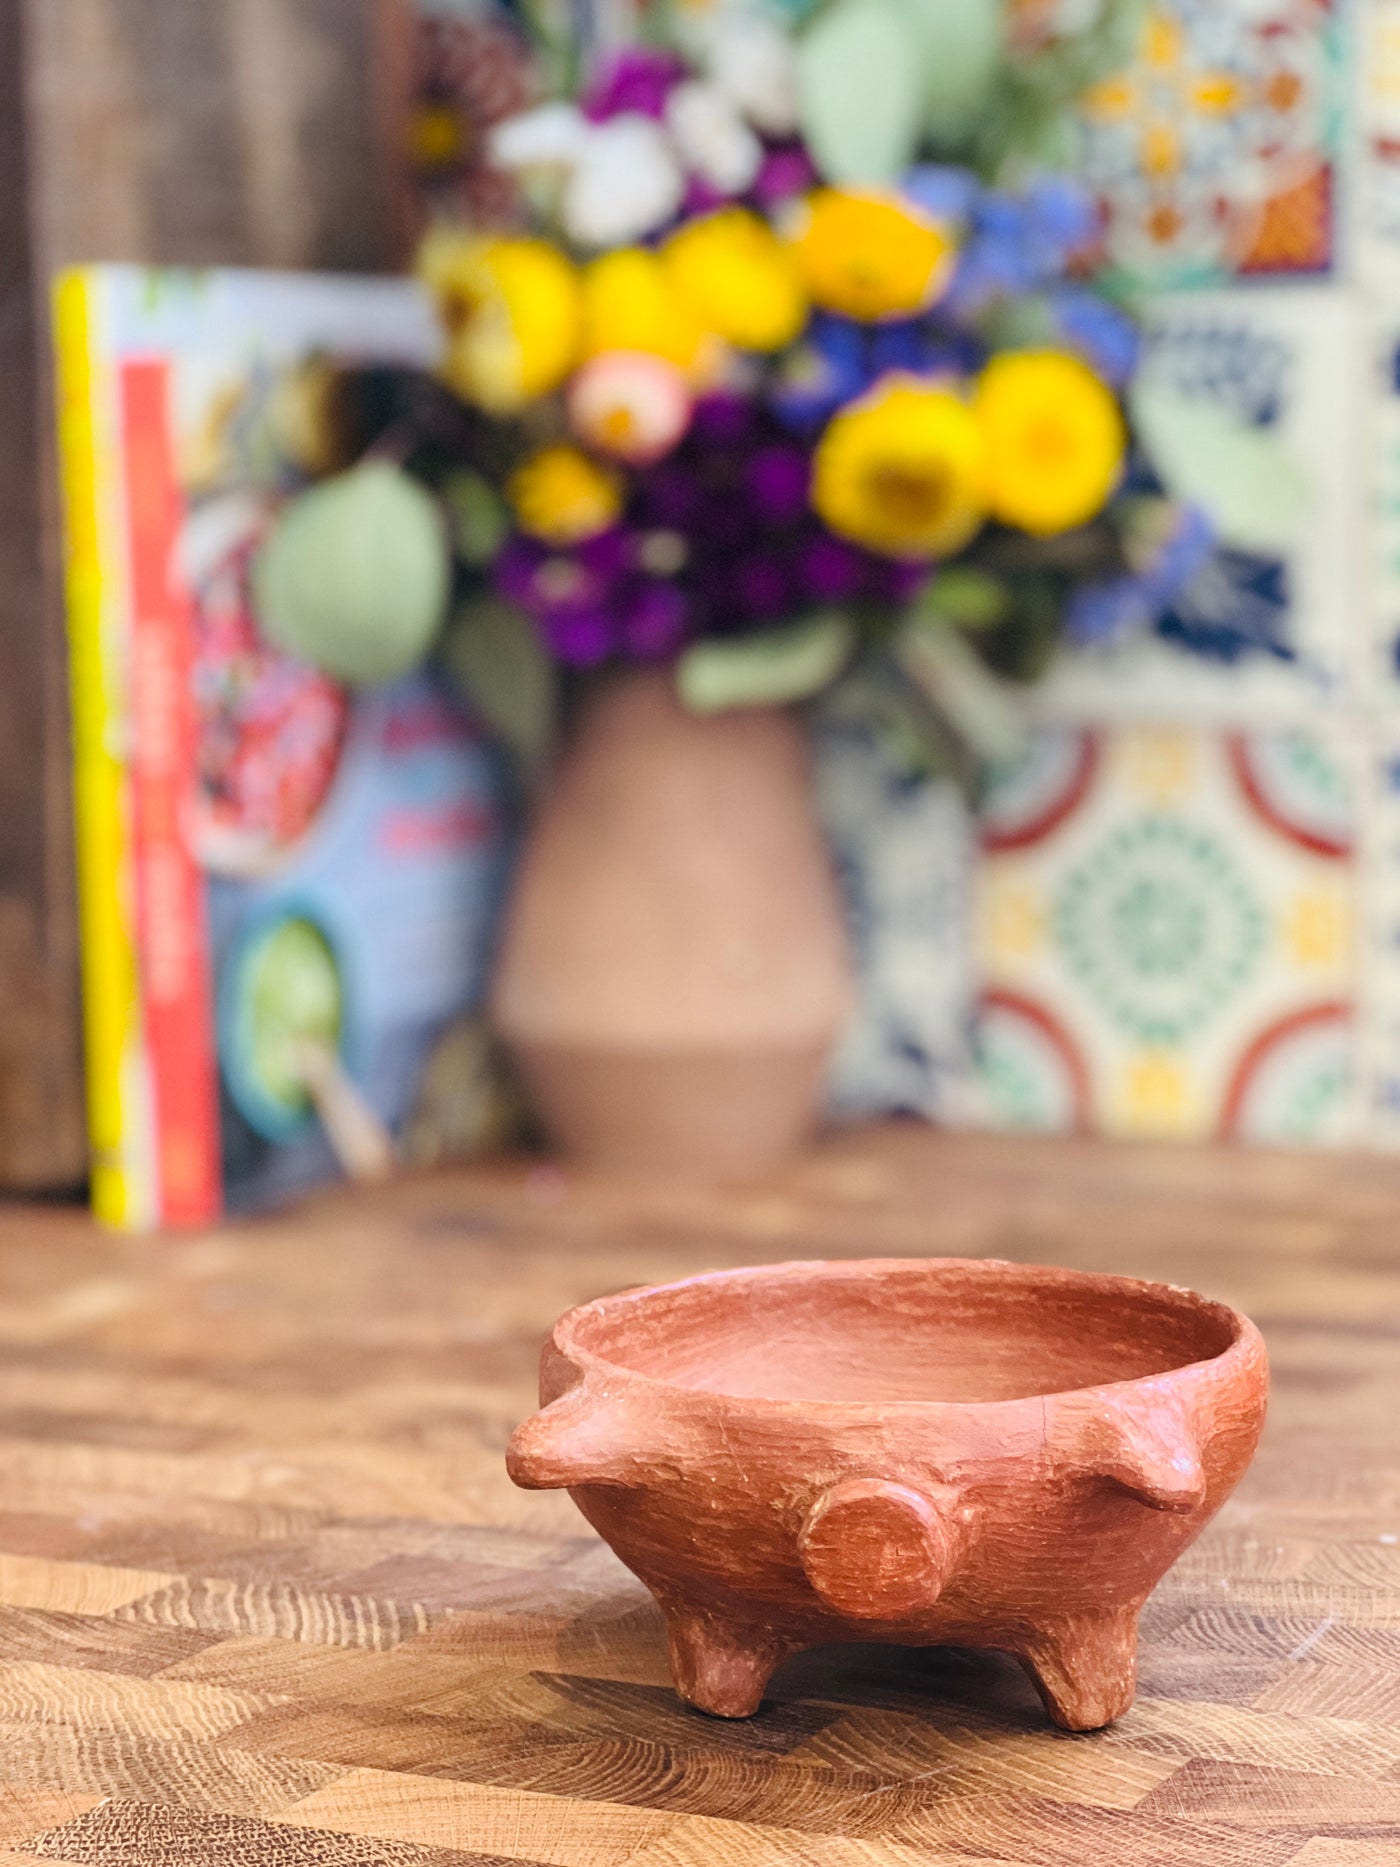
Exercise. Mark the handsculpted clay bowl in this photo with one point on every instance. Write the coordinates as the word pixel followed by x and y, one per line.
pixel 925 1451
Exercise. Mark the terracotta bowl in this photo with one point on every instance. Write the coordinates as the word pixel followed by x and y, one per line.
pixel 924 1451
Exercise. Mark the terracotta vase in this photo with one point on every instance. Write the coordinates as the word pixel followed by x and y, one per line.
pixel 925 1452
pixel 674 974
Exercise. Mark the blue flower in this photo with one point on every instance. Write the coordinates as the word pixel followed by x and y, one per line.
pixel 1062 220
pixel 942 192
pixel 1107 338
pixel 992 266
pixel 1020 242
pixel 827 369
pixel 1115 606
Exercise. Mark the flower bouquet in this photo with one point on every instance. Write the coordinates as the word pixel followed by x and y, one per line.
pixel 783 372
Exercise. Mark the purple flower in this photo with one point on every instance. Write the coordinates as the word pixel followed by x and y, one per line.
pixel 763 586
pixel 580 638
pixel 725 521
pixel 724 420
pixel 897 580
pixel 702 197
pixel 654 620
pixel 634 78
pixel 777 480
pixel 669 498
pixel 830 570
pixel 787 171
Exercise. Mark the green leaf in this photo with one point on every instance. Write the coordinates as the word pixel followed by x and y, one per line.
pixel 769 668
pixel 954 680
pixel 861 83
pixel 1255 493
pixel 477 516
pixel 966 598
pixel 960 49
pixel 494 655
pixel 354 576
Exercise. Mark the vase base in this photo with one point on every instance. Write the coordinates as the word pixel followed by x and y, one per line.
pixel 692 1115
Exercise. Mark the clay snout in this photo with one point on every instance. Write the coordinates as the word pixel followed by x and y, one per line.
pixel 1147 1448
pixel 876 1550
pixel 579 1439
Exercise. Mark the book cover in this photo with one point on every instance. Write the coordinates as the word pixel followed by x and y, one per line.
pixel 272 869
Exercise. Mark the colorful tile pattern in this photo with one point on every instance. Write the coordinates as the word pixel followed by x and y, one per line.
pixel 903 848
pixel 1165 936
pixel 1215 152
pixel 1295 363
pixel 1378 142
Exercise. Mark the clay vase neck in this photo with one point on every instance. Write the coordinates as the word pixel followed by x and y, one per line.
pixel 674 972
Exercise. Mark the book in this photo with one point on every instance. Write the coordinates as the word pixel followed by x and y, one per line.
pixel 287 890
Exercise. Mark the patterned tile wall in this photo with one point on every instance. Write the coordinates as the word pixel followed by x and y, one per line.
pixel 1166 937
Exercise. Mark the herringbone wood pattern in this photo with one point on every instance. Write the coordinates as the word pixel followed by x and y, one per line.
pixel 266 1595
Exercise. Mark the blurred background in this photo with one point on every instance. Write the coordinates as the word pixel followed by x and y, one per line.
pixel 1113 813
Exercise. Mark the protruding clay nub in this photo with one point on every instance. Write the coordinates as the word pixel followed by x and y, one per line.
pixel 1151 1452
pixel 876 1551
pixel 573 1441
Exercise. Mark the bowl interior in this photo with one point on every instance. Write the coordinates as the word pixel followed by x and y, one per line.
pixel 903 1332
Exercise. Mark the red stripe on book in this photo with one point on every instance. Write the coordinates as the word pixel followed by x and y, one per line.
pixel 173 938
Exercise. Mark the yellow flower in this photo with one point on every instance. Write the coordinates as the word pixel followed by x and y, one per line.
pixel 870 255
pixel 629 303
pixel 738 278
pixel 562 496
pixel 511 312
pixel 1055 440
pixel 901 471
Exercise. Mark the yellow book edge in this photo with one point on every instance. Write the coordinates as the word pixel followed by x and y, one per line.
pixel 122 1194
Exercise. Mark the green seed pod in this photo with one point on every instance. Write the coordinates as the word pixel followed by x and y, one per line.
pixel 355 575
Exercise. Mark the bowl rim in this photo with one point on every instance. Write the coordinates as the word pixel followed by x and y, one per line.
pixel 1245 1347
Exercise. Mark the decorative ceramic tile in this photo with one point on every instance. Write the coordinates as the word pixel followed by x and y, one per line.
pixel 1377 107
pixel 1379 1001
pixel 903 847
pixel 1385 506
pixel 1215 151
pixel 1293 362
pixel 1165 936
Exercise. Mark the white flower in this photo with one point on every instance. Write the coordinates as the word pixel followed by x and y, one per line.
pixel 627 183
pixel 751 60
pixel 714 141
pixel 551 136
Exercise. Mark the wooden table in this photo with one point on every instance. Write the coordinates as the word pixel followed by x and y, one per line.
pixel 266 1595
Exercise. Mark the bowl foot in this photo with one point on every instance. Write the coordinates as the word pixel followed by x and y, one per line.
pixel 721 1669
pixel 1086 1669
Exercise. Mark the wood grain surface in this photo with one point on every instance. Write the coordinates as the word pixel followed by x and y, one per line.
pixel 267 1595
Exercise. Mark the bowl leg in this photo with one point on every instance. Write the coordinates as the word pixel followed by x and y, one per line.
pixel 1085 1669
pixel 721 1668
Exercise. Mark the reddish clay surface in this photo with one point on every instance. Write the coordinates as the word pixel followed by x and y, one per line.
pixel 924 1451
pixel 673 973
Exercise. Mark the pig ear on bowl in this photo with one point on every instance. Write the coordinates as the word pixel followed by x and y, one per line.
pixel 875 1550
pixel 1149 1450
pixel 578 1439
